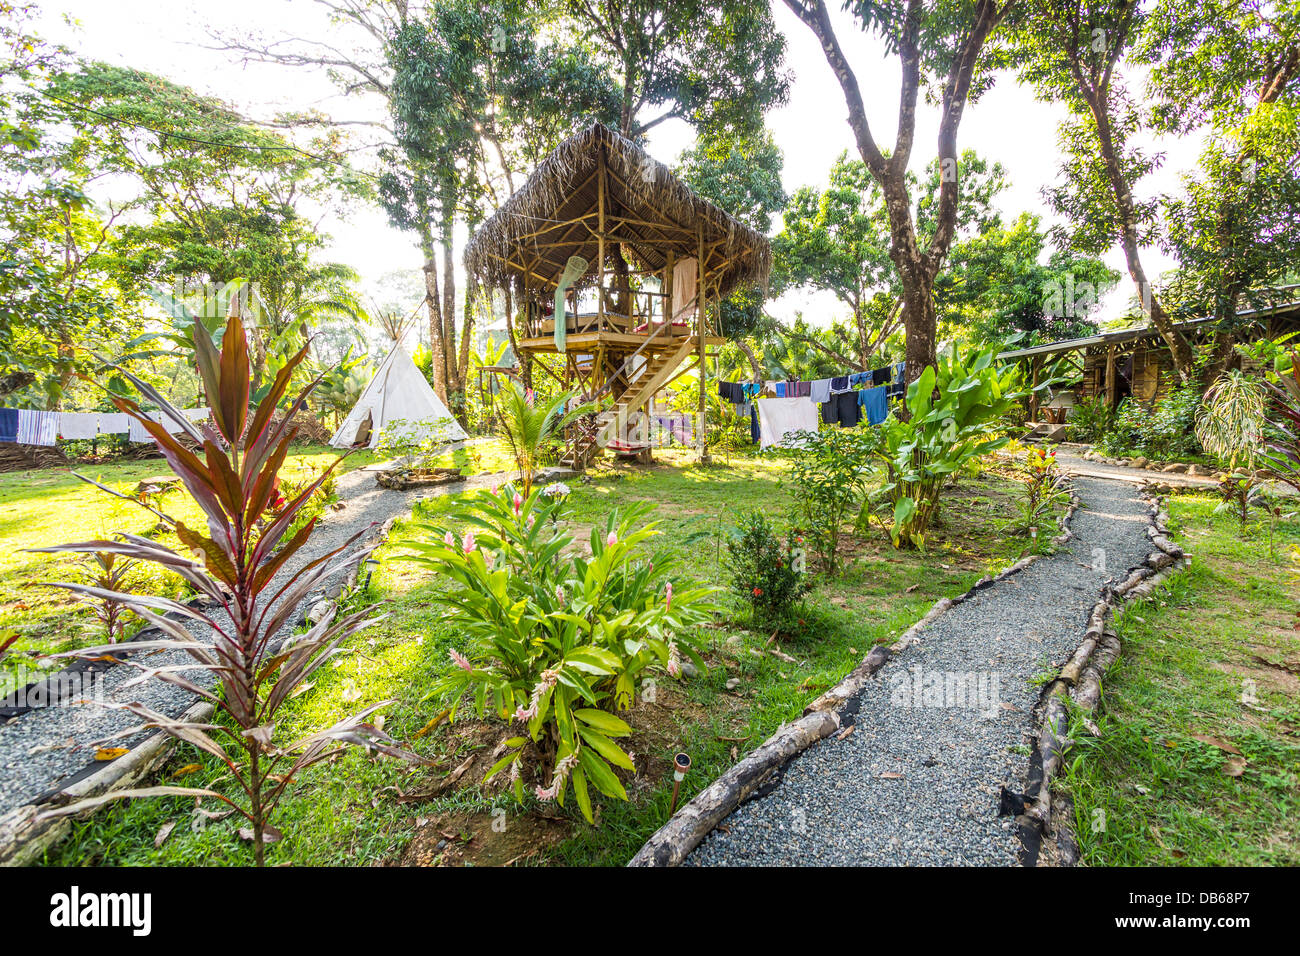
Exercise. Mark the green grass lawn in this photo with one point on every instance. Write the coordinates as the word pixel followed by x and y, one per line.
pixel 359 810
pixel 1198 760
pixel 53 506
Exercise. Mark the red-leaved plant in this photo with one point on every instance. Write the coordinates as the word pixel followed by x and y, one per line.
pixel 234 565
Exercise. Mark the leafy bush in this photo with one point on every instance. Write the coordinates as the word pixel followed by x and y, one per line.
pixel 767 574
pixel 108 575
pixel 828 475
pixel 530 425
pixel 1230 421
pixel 1089 420
pixel 1044 487
pixel 558 640
pixel 1164 430
pixel 234 565
pixel 958 407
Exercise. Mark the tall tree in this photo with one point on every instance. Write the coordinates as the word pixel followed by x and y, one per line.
pixel 941 49
pixel 1072 52
pixel 717 64
pixel 834 240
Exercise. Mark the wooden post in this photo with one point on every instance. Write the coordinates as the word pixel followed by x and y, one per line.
pixel 1035 364
pixel 1110 376
pixel 600 245
pixel 699 337
pixel 668 287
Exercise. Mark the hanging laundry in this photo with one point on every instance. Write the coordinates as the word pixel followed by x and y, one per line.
pixel 79 426
pixel 755 435
pixel 881 376
pixel 37 428
pixel 820 392
pixel 781 418
pixel 842 410
pixel 114 423
pixel 840 384
pixel 8 424
pixel 136 431
pixel 875 404
pixel 780 389
pixel 859 378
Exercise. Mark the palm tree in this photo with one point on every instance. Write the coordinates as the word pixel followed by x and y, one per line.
pixel 528 426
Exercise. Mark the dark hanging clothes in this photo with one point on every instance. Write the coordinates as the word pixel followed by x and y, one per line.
pixel 842 410
pixel 753 423
pixel 881 376
pixel 8 424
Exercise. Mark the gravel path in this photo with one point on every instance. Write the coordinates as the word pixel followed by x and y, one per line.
pixel 41 749
pixel 945 725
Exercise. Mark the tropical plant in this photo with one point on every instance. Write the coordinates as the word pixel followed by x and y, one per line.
pixel 528 425
pixel 557 640
pixel 765 573
pixel 107 573
pixel 1230 420
pixel 1089 420
pixel 956 408
pixel 1164 430
pixel 1239 491
pixel 240 565
pixel 414 443
pixel 828 474
pixel 1044 488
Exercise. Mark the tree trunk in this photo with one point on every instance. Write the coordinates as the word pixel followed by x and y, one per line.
pixel 454 384
pixel 1123 195
pixel 432 301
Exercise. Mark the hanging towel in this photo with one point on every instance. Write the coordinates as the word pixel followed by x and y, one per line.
pixel 684 276
pixel 780 418
pixel 8 424
pixel 780 390
pixel 875 404
pixel 37 428
pixel 114 423
pixel 79 426
pixel 820 391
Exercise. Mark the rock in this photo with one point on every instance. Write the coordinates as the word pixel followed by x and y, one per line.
pixel 689 669
pixel 1138 462
pixel 733 683
pixel 1195 471
pixel 1176 468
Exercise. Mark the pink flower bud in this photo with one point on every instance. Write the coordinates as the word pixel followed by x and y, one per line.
pixel 449 540
pixel 461 660
pixel 668 597
pixel 611 540
pixel 559 594
pixel 519 503
pixel 467 544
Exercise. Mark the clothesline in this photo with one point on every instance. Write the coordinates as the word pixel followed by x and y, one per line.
pixel 32 427
pixel 773 420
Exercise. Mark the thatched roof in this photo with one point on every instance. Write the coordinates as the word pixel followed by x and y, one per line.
pixel 554 215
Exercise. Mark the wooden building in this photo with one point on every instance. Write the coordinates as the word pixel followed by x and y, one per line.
pixel 1137 362
pixel 606 240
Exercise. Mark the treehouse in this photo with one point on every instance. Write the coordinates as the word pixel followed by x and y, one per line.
pixel 615 270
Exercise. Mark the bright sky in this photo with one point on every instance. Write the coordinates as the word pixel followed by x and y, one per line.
pixel 1008 125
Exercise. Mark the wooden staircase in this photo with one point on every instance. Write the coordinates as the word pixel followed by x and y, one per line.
pixel 613 423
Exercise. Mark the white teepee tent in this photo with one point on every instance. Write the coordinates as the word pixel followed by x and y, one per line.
pixel 398 392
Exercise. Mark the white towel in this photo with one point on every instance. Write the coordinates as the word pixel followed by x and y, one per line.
pixel 820 391
pixel 114 423
pixel 136 432
pixel 782 417
pixel 79 426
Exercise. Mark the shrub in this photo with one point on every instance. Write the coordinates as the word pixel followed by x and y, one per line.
pixel 558 640
pixel 828 475
pixel 765 573
pixel 1230 420
pixel 1166 429
pixel 529 426
pixel 234 565
pixel 1089 420
pixel 107 574
pixel 957 408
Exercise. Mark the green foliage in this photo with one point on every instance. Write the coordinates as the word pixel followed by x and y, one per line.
pixel 765 573
pixel 828 474
pixel 1044 488
pixel 415 443
pixel 558 640
pixel 957 408
pixel 1230 420
pixel 529 423
pixel 1089 420
pixel 1164 430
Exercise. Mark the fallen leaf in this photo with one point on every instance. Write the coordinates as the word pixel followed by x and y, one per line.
pixel 269 834
pixel 1235 766
pixel 846 731
pixel 911 589
pixel 1216 742
pixel 890 775
pixel 189 768
pixel 163 834
pixel 111 753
